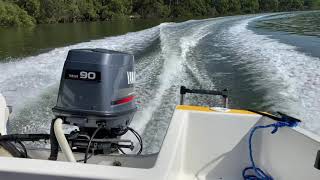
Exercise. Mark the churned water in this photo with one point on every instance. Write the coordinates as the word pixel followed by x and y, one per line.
pixel 264 65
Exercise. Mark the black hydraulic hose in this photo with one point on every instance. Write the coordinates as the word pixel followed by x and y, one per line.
pixel 121 150
pixel 137 135
pixel 23 148
pixel 24 137
pixel 81 160
pixel 283 117
pixel 89 144
pixel 54 143
pixel 317 163
pixel 6 142
pixel 18 138
pixel 121 133
pixel 12 149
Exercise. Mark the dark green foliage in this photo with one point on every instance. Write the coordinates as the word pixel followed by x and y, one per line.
pixel 28 12
pixel 87 10
pixel 189 8
pixel 114 9
pixel 31 6
pixel 288 5
pixel 297 4
pixel 222 6
pixel 234 6
pixel 50 11
pixel 269 5
pixel 312 4
pixel 151 8
pixel 13 15
pixel 250 6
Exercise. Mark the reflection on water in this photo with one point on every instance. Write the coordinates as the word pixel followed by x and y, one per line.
pixel 20 42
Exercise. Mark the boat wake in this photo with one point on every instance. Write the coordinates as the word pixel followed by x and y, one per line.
pixel 176 41
pixel 168 56
pixel 30 84
pixel 292 78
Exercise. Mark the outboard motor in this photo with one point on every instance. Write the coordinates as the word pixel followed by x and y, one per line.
pixel 97 94
pixel 97 88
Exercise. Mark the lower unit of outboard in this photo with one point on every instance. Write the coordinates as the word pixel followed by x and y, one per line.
pixel 96 94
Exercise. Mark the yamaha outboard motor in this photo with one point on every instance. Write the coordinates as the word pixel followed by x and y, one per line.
pixel 97 88
pixel 96 92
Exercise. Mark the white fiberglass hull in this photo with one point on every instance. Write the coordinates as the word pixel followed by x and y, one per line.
pixel 200 144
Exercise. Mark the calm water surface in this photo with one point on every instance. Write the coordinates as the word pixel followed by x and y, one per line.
pixel 20 42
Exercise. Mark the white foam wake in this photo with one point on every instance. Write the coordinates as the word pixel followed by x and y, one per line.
pixel 177 39
pixel 176 42
pixel 24 79
pixel 30 84
pixel 291 77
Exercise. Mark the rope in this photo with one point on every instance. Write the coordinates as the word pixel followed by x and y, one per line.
pixel 258 174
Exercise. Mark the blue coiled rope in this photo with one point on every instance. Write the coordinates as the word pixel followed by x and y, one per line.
pixel 258 174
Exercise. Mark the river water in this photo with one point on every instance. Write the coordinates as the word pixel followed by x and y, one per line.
pixel 268 62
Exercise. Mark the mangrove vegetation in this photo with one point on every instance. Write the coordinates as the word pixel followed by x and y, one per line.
pixel 31 12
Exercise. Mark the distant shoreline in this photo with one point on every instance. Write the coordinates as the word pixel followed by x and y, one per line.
pixel 32 12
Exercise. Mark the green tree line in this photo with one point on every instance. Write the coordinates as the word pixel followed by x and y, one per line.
pixel 31 12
